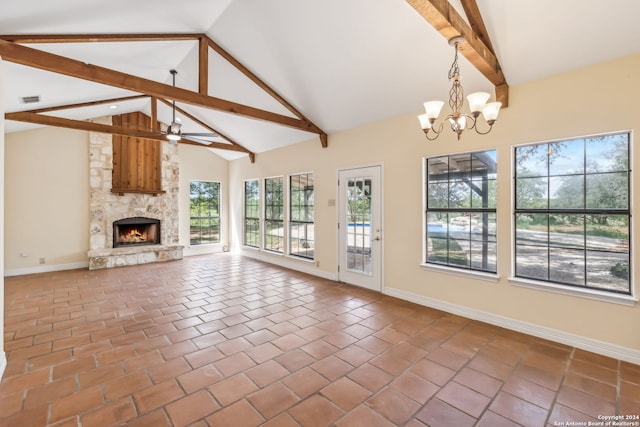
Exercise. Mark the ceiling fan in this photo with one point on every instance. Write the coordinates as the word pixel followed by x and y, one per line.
pixel 174 130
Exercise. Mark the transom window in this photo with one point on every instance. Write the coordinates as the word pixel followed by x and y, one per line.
pixel 204 212
pixel 461 211
pixel 572 212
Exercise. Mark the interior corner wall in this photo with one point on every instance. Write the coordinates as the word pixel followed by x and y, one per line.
pixel 201 164
pixel 46 199
pixel 3 358
pixel 592 100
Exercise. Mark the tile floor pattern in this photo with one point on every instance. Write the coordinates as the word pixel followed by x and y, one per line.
pixel 229 341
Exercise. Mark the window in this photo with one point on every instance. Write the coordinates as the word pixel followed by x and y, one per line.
pixel 252 213
pixel 204 212
pixel 461 211
pixel 572 212
pixel 301 215
pixel 274 214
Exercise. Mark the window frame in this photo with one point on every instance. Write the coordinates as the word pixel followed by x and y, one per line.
pixel 218 218
pixel 291 222
pixel 485 271
pixel 269 222
pixel 258 219
pixel 585 290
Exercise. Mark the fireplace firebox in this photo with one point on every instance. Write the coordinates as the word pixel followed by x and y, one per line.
pixel 136 231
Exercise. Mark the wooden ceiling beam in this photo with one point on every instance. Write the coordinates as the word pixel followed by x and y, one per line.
pixel 86 104
pixel 448 22
pixel 477 23
pixel 93 38
pixel 30 57
pixel 41 119
pixel 154 114
pixel 34 116
pixel 262 85
pixel 207 126
pixel 203 66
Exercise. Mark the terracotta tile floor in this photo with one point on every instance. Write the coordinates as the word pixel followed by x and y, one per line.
pixel 229 341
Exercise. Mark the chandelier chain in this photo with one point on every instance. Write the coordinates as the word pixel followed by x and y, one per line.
pixel 456 93
pixel 454 71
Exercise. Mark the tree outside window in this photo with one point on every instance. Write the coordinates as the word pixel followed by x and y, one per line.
pixel 204 212
pixel 252 213
pixel 274 214
pixel 572 212
pixel 301 215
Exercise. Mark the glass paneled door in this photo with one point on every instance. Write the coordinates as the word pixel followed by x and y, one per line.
pixel 360 218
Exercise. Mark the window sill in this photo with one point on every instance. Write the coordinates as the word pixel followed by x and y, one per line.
pixel 489 277
pixel 302 259
pixel 576 292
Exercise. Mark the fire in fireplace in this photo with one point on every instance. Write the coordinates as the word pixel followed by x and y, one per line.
pixel 136 231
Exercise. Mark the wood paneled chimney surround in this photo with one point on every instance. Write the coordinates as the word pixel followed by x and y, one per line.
pixel 136 161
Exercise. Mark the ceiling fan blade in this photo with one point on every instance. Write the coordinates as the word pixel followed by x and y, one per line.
pixel 195 139
pixel 207 134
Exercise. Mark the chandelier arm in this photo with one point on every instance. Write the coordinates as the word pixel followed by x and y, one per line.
pixel 436 132
pixel 426 133
pixel 479 132
pixel 471 123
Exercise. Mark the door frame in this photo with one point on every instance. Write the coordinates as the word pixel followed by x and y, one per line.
pixel 339 205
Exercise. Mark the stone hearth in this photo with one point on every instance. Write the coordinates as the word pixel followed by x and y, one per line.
pixel 107 207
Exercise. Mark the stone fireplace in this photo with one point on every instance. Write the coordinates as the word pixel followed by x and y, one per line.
pixel 112 214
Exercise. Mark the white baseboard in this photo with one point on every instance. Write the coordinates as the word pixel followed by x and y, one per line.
pixel 3 363
pixel 195 250
pixel 290 263
pixel 600 347
pixel 45 268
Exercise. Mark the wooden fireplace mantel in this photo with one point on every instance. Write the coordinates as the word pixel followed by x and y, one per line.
pixel 122 191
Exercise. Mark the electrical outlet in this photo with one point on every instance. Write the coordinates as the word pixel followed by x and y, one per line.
pixel 43 260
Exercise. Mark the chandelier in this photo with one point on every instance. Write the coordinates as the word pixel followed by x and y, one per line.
pixel 459 121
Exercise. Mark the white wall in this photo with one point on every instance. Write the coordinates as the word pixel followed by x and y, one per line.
pixel 3 359
pixel 47 199
pixel 565 105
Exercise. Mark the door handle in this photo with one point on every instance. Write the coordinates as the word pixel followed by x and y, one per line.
pixel 377 238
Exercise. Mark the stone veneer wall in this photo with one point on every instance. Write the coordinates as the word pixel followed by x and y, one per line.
pixel 106 207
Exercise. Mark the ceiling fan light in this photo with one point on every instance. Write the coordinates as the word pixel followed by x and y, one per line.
pixel 173 137
pixel 490 111
pixel 174 128
pixel 433 108
pixel 477 101
pixel 425 123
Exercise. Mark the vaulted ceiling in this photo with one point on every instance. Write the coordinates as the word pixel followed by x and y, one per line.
pixel 278 72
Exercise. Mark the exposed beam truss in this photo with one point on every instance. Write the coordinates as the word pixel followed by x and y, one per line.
pixel 191 117
pixel 42 119
pixel 448 22
pixel 11 50
pixel 35 116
